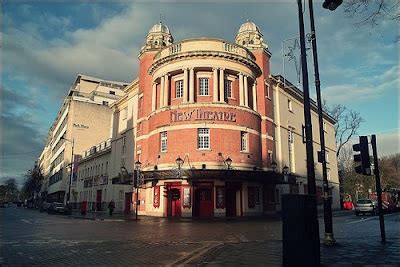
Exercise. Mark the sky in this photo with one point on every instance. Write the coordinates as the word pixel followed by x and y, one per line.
pixel 45 44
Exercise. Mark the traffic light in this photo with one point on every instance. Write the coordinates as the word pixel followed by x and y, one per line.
pixel 363 157
pixel 332 4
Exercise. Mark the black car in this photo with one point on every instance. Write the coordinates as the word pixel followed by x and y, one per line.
pixel 56 208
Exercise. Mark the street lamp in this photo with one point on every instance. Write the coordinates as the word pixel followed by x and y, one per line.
pixel 138 165
pixel 285 171
pixel 329 239
pixel 228 162
pixel 179 162
pixel 72 170
pixel 274 165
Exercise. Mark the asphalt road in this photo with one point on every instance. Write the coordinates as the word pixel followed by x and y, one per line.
pixel 30 237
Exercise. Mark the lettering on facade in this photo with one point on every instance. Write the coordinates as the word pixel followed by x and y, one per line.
pixel 81 126
pixel 199 114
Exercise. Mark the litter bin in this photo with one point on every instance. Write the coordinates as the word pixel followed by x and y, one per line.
pixel 300 231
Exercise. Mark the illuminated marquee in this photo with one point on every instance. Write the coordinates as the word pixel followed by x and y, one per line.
pixel 198 114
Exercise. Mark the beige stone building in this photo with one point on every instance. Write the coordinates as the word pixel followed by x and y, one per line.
pixel 289 138
pixel 82 121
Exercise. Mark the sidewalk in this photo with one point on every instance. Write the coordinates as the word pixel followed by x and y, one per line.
pixel 102 216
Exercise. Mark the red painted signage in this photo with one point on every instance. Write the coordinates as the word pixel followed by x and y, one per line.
pixel 199 114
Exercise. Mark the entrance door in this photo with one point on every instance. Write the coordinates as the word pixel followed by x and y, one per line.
pixel 269 198
pixel 128 203
pixel 233 199
pixel 174 202
pixel 204 202
pixel 98 200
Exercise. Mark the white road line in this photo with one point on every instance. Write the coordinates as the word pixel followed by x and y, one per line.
pixel 362 220
pixel 26 221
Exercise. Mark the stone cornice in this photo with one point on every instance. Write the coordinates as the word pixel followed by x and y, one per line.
pixel 201 54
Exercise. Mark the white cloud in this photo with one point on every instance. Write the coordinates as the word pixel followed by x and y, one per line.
pixel 388 143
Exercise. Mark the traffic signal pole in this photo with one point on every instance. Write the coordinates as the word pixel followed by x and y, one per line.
pixel 378 188
pixel 329 239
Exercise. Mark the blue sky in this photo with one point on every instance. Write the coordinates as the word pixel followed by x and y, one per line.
pixel 46 44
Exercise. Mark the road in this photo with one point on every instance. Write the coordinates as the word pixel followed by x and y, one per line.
pixel 30 237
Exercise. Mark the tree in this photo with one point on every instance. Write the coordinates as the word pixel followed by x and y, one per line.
pixel 9 191
pixel 372 12
pixel 389 171
pixel 347 123
pixel 33 182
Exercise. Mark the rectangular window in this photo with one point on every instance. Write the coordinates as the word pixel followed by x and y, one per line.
pixel 179 89
pixel 244 141
pixel 105 103
pixel 112 93
pixel 289 105
pixel 125 113
pixel 203 86
pixel 267 91
pixel 228 88
pixel 324 126
pixel 328 174
pixel 327 156
pixel 164 139
pixel 203 138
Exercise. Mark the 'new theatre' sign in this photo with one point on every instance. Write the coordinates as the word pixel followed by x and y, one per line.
pixel 199 114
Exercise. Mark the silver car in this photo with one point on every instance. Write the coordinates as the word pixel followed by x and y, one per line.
pixel 366 206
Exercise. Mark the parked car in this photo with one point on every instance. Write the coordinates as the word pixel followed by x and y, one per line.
pixel 56 208
pixel 366 206
pixel 45 206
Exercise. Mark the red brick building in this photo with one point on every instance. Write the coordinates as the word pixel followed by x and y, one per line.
pixel 205 131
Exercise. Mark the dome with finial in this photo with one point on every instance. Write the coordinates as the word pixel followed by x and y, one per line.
pixel 250 36
pixel 158 37
pixel 159 28
pixel 248 26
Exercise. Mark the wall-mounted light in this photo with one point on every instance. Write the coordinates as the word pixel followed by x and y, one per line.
pixel 273 166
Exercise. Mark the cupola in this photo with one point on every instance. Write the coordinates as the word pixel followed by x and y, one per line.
pixel 250 36
pixel 158 37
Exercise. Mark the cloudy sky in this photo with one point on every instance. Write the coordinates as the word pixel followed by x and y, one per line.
pixel 45 44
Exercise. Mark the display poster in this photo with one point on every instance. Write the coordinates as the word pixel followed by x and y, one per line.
pixel 186 197
pixel 220 197
pixel 156 197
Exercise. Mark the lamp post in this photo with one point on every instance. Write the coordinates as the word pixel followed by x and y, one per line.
pixel 138 165
pixel 313 225
pixel 328 239
pixel 72 170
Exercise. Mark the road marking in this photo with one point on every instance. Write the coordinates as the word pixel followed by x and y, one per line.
pixel 362 220
pixel 26 221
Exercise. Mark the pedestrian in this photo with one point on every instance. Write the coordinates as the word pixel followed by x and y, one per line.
pixel 111 207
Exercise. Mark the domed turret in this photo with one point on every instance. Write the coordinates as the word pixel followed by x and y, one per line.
pixel 158 37
pixel 250 36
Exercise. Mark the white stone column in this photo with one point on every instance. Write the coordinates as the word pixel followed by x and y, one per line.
pixel 154 97
pixel 246 91
pixel 162 85
pixel 241 90
pixel 221 85
pixel 166 89
pixel 185 86
pixel 191 85
pixel 215 85
pixel 255 95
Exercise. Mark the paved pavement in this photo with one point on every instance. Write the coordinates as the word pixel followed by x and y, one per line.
pixel 29 237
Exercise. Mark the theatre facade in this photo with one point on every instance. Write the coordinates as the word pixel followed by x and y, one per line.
pixel 212 132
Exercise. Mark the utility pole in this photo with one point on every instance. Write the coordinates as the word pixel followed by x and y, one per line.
pixel 329 239
pixel 378 188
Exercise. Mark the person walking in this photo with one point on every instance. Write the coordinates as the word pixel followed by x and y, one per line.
pixel 111 207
